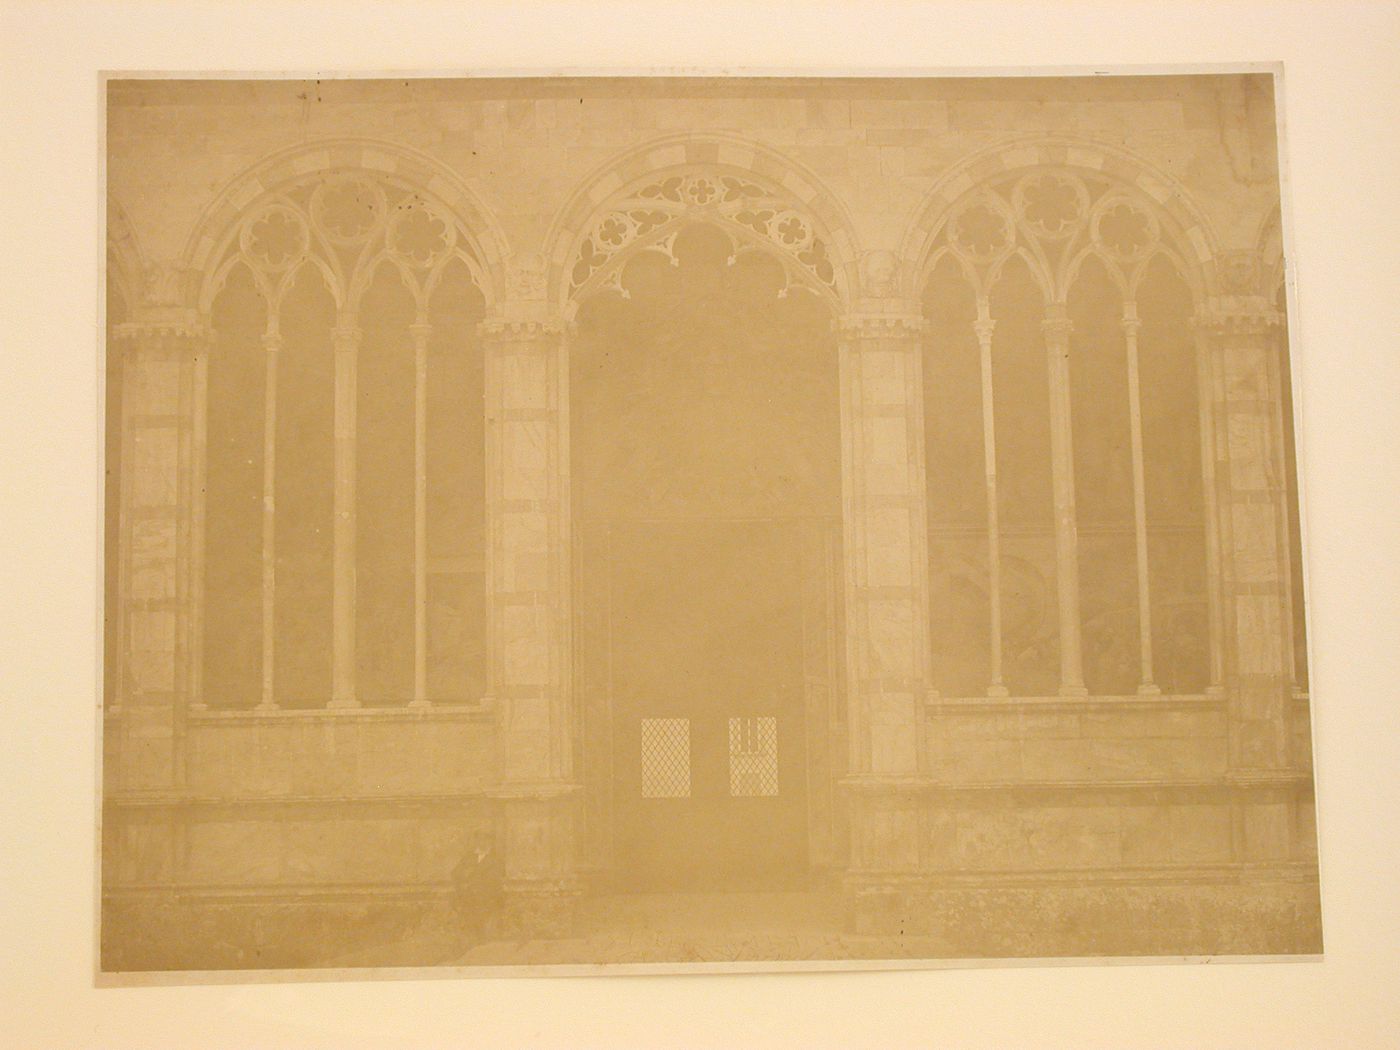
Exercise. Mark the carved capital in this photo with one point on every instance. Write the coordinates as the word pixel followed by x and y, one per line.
pixel 421 331
pixel 1238 315
pixel 1130 322
pixel 898 322
pixel 520 321
pixel 174 335
pixel 345 336
pixel 1056 324
pixel 520 331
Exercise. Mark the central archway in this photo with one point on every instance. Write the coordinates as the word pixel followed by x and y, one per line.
pixel 706 508
pixel 706 502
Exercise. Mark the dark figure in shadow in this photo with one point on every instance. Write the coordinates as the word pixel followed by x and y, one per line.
pixel 478 889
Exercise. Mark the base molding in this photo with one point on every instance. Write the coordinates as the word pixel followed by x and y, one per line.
pixel 543 908
pixel 172 932
pixel 1242 912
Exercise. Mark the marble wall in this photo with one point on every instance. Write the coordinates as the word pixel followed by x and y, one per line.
pixel 850 186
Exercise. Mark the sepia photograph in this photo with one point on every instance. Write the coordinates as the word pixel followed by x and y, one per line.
pixel 764 525
pixel 560 521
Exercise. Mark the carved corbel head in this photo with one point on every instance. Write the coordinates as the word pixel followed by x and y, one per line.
pixel 1239 272
pixel 879 275
pixel 525 277
pixel 165 286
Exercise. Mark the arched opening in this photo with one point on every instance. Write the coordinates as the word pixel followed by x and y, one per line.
pixel 1067 514
pixel 1175 490
pixel 705 470
pixel 345 464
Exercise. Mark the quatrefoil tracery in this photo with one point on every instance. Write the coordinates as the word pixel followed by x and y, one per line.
pixel 347 209
pixel 1053 219
pixel 275 238
pixel 1124 229
pixel 348 224
pixel 983 230
pixel 1052 204
pixel 649 219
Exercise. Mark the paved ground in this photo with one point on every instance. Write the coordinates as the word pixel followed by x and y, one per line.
pixel 668 928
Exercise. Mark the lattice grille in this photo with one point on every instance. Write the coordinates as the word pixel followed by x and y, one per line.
pixel 753 756
pixel 665 758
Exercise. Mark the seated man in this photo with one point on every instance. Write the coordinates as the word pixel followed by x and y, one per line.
pixel 478 887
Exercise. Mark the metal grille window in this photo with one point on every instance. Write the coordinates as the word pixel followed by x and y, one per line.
pixel 665 758
pixel 753 756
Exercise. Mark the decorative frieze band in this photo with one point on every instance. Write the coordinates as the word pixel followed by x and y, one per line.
pixel 520 330
pixel 169 335
pixel 1251 318
pixel 880 325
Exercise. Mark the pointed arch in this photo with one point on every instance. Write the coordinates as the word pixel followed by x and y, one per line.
pixel 764 200
pixel 478 235
pixel 1123 175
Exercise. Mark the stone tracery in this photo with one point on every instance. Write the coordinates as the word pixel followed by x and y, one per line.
pixel 755 217
pixel 347 224
pixel 1055 219
pixel 377 249
pixel 1090 241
